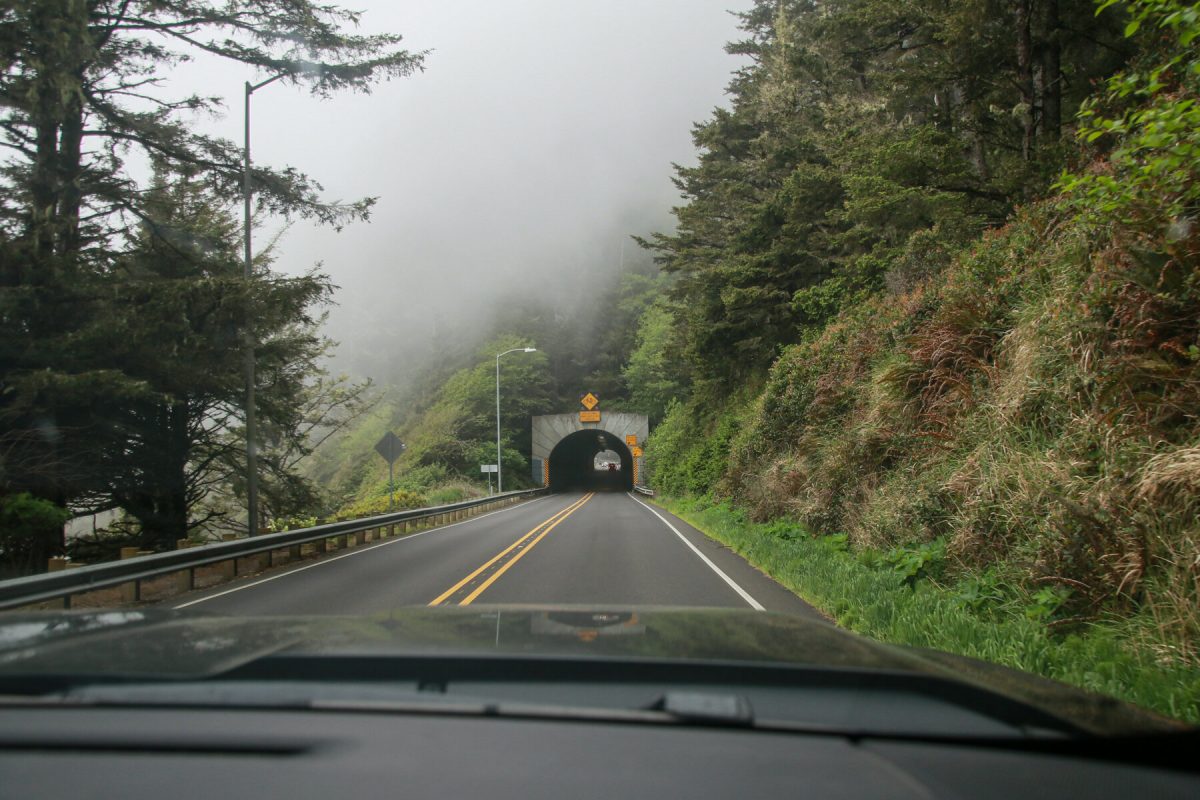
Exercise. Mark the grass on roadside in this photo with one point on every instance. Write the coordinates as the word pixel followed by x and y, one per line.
pixel 890 597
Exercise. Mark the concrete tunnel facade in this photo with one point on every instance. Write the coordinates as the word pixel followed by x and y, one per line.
pixel 564 448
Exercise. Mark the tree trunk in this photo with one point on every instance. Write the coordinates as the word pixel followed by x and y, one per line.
pixel 1051 52
pixel 61 46
pixel 42 184
pixel 158 499
pixel 979 157
pixel 70 174
pixel 1025 75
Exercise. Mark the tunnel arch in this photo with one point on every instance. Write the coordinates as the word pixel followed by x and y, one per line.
pixel 572 463
pixel 621 432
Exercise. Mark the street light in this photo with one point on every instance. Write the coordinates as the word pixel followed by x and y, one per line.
pixel 499 474
pixel 251 455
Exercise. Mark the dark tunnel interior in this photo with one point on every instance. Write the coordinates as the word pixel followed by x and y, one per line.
pixel 573 468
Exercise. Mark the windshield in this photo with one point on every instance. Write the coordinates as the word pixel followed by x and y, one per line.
pixel 855 343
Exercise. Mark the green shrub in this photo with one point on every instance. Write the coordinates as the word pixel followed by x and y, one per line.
pixel 29 529
pixel 686 454
pixel 925 560
pixel 378 504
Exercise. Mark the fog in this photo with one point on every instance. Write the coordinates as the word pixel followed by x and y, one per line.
pixel 539 136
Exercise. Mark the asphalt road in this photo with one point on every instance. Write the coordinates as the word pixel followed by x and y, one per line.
pixel 606 548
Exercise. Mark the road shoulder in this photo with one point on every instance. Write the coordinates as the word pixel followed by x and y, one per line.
pixel 772 595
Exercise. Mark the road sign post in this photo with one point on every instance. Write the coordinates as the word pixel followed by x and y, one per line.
pixel 390 447
pixel 489 469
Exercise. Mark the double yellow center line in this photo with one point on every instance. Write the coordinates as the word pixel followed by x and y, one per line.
pixel 479 580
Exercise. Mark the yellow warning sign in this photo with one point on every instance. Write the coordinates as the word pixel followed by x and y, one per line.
pixel 590 401
pixel 589 416
pixel 637 452
pixel 631 439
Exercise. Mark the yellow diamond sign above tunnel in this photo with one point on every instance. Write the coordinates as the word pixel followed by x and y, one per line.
pixel 590 401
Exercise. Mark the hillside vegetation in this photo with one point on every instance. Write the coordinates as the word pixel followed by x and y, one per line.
pixel 992 388
pixel 447 417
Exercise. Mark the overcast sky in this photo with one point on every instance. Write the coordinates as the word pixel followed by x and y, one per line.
pixel 540 134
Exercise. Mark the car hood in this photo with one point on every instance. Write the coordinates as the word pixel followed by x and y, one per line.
pixel 157 644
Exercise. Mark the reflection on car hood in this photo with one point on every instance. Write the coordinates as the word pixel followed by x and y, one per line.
pixel 173 645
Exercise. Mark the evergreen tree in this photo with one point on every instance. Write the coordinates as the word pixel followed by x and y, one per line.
pixel 865 142
pixel 80 95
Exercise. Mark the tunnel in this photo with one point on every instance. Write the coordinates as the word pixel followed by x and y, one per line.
pixel 573 464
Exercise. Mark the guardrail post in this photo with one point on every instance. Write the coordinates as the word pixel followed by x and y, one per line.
pixel 360 538
pixel 130 592
pixel 229 568
pixel 294 553
pixel 187 577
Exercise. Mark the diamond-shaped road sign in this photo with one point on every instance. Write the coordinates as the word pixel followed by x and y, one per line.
pixel 390 447
pixel 590 401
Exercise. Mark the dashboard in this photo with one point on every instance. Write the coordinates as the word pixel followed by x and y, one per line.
pixel 180 753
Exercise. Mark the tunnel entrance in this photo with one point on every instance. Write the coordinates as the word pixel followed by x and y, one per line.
pixel 568 448
pixel 591 460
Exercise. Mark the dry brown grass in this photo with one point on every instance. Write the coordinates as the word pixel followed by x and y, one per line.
pixel 1173 475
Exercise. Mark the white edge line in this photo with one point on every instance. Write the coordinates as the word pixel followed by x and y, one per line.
pixel 355 552
pixel 757 606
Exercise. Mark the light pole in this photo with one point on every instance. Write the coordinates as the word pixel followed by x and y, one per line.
pixel 499 474
pixel 251 455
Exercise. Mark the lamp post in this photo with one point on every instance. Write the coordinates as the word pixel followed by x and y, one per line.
pixel 499 474
pixel 251 455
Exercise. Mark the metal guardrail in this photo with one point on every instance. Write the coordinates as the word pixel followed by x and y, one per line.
pixel 36 589
pixel 644 490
